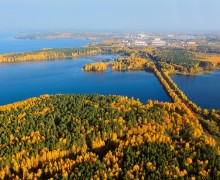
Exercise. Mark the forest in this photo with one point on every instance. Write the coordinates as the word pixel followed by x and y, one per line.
pixel 106 137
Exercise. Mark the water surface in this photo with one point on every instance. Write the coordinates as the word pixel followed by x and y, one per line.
pixel 204 89
pixel 24 80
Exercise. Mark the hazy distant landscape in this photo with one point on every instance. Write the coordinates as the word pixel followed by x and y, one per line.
pixel 110 89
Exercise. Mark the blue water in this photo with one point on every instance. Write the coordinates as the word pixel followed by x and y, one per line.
pixel 9 44
pixel 24 80
pixel 204 90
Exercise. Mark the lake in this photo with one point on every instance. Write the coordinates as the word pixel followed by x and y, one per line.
pixel 204 89
pixel 31 79
pixel 9 44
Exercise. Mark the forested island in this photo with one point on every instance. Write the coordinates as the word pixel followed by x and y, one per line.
pixel 95 67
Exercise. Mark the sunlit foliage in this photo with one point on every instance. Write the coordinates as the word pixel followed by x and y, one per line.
pixel 95 67
pixel 104 137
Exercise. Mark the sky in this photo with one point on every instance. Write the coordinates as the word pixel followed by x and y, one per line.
pixel 112 15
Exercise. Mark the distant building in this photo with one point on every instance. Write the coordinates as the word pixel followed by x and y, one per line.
pixel 191 43
pixel 142 35
pixel 140 43
pixel 158 42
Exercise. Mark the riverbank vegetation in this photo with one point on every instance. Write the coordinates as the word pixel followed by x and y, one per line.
pixel 49 54
pixel 180 61
pixel 105 137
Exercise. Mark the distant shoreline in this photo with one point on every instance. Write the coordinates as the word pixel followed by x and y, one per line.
pixel 56 37
pixel 64 35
